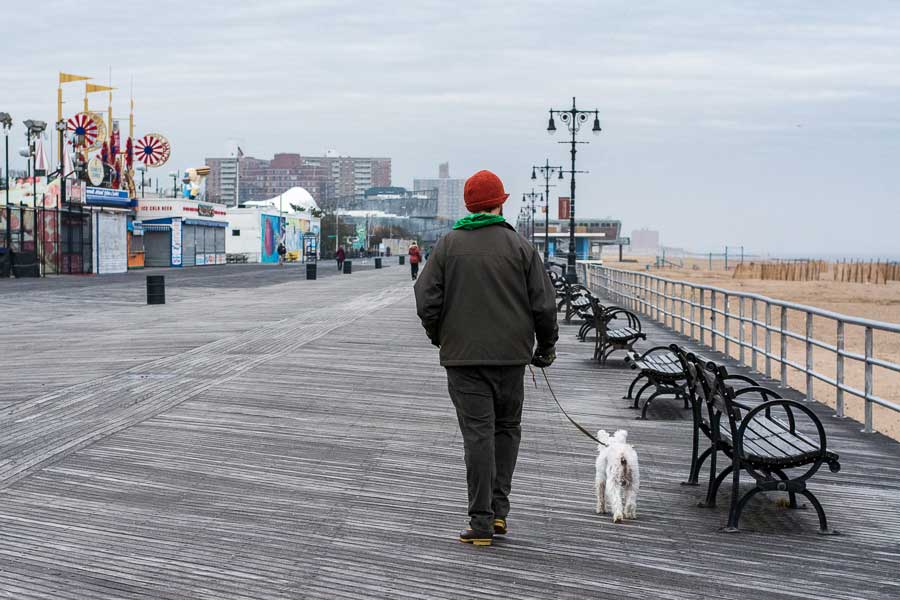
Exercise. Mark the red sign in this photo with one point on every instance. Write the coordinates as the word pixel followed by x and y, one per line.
pixel 564 207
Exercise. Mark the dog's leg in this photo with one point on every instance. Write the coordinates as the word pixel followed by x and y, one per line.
pixel 600 488
pixel 630 503
pixel 614 499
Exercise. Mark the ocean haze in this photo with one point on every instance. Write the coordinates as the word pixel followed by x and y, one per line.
pixel 769 125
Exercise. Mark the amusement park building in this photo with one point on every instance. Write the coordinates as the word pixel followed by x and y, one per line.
pixel 450 192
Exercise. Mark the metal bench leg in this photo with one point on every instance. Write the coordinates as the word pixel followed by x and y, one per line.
pixel 628 396
pixel 737 506
pixel 714 482
pixel 637 398
pixel 696 465
pixel 647 403
pixel 823 523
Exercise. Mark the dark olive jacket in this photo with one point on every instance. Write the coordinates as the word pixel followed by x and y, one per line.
pixel 484 296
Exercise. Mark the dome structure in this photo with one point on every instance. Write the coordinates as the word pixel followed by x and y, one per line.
pixel 296 196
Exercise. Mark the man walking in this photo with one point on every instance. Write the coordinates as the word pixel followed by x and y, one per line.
pixel 483 297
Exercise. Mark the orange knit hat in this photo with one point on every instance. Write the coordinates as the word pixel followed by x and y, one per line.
pixel 484 191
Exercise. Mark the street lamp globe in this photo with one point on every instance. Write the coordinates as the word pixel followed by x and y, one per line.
pixel 596 128
pixel 533 174
pixel 551 126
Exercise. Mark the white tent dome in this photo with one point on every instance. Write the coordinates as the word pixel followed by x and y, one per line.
pixel 296 196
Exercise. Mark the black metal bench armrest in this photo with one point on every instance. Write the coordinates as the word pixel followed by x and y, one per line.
pixel 611 313
pixel 789 406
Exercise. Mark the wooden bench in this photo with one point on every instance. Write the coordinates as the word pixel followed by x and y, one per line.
pixel 760 434
pixel 663 371
pixel 616 329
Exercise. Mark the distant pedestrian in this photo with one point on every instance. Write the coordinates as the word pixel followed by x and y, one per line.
pixel 483 298
pixel 415 257
pixel 340 256
pixel 281 253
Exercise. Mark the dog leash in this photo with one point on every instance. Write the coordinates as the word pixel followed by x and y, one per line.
pixel 555 399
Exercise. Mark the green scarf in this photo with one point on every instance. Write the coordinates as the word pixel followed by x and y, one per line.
pixel 478 220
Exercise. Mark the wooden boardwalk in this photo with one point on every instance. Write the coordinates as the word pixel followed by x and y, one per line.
pixel 291 439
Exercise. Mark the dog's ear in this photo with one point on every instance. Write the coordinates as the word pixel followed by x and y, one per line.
pixel 621 435
pixel 603 436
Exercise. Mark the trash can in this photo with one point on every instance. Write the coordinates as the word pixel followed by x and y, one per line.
pixel 377 262
pixel 348 267
pixel 402 260
pixel 156 289
pixel 311 270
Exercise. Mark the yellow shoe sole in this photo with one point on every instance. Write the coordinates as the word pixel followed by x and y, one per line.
pixel 477 541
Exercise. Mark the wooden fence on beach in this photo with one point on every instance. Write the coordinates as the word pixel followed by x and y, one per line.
pixel 848 271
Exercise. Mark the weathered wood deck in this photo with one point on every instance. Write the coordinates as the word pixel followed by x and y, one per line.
pixel 293 439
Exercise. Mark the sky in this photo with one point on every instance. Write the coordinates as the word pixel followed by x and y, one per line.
pixel 769 125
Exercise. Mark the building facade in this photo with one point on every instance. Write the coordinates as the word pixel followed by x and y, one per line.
pixel 331 179
pixel 451 204
pixel 591 236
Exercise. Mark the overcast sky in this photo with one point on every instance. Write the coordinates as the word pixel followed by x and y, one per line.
pixel 773 125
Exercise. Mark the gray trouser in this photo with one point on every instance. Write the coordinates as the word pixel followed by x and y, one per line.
pixel 488 403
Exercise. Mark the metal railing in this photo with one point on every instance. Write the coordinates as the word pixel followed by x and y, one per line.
pixel 709 314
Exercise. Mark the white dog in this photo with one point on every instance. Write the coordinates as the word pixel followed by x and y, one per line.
pixel 618 479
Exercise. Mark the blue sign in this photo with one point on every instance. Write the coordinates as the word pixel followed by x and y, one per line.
pixel 107 197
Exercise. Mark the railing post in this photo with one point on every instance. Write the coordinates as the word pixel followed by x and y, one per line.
pixel 784 382
pixel 754 315
pixel 741 353
pixel 809 356
pixel 712 319
pixel 768 340
pixel 839 371
pixel 869 353
pixel 726 308
pixel 702 316
pixel 665 301
pixel 692 313
pixel 682 309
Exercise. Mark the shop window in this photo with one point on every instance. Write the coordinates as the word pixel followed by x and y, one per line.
pixel 235 232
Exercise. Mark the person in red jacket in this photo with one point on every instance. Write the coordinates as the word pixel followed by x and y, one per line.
pixel 340 256
pixel 415 257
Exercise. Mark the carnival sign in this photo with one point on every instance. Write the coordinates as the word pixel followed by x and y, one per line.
pixel 95 171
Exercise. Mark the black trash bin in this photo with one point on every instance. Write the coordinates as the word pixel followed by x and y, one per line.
pixel 311 270
pixel 402 260
pixel 348 267
pixel 377 262
pixel 156 289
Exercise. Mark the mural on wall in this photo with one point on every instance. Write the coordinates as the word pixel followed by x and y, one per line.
pixel 271 234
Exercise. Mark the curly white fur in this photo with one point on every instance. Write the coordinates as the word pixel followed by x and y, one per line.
pixel 618 478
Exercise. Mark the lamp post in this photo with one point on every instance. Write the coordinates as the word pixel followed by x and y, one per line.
pixel 33 131
pixel 531 197
pixel 6 122
pixel 142 169
pixel 573 119
pixel 547 171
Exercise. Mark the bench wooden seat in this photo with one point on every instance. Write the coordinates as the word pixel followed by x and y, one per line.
pixel 609 337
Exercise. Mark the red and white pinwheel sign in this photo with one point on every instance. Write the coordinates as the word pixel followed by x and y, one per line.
pixel 153 150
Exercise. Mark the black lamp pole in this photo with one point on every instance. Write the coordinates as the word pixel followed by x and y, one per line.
pixel 547 171
pixel 573 119
pixel 531 196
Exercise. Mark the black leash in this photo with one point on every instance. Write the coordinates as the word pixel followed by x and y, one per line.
pixel 555 399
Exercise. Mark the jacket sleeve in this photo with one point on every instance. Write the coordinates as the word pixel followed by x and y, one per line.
pixel 543 303
pixel 429 289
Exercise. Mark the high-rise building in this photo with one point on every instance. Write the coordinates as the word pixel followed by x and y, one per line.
pixel 450 192
pixel 331 179
pixel 222 182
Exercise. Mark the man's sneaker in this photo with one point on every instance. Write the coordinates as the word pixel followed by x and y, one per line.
pixel 499 526
pixel 468 536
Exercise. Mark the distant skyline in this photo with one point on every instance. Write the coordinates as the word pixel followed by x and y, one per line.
pixel 770 125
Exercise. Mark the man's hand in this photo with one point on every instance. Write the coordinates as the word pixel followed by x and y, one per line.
pixel 544 357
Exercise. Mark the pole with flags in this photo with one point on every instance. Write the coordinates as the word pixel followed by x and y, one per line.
pixel 64 78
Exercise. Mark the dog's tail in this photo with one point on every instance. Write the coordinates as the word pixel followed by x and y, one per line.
pixel 624 472
pixel 603 438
